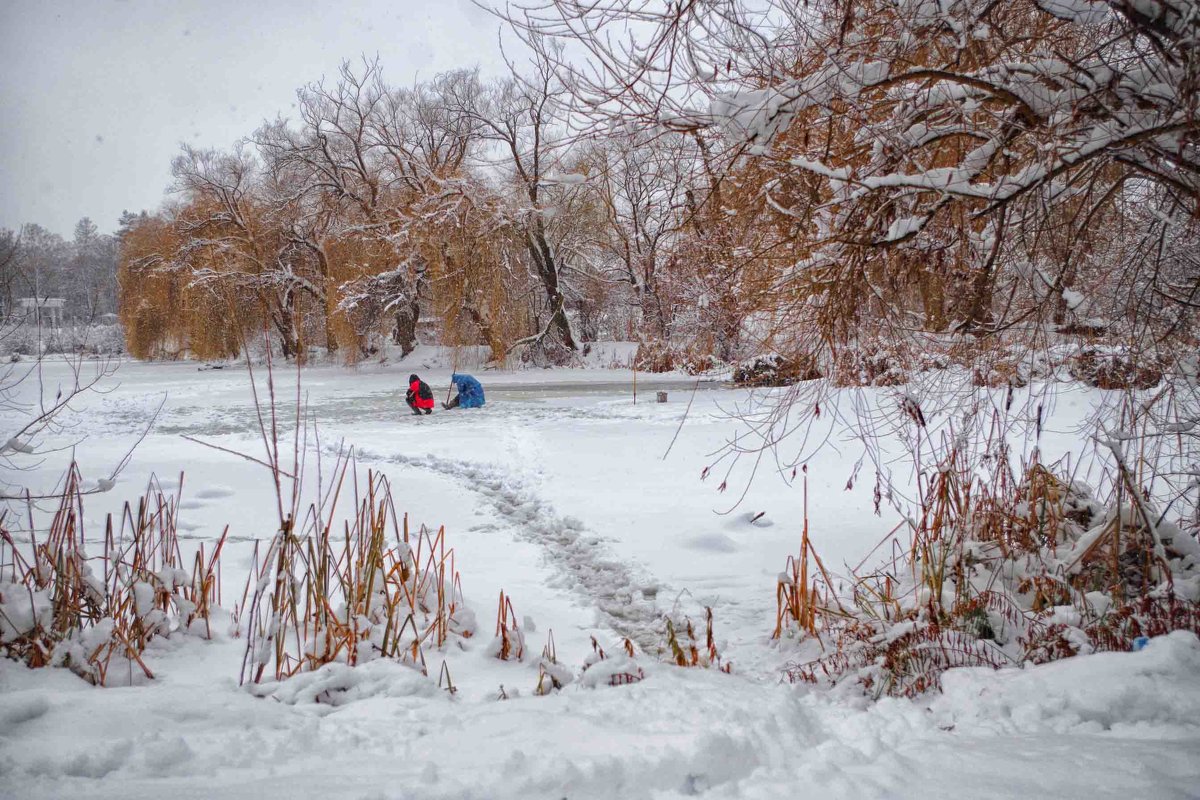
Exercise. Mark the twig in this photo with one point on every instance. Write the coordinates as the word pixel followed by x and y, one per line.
pixel 681 421
pixel 258 461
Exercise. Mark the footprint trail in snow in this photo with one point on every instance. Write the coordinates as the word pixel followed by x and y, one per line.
pixel 623 594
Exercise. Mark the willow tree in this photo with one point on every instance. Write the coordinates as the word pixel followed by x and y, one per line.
pixel 235 238
pixel 165 313
pixel 474 252
pixel 519 118
pixel 361 155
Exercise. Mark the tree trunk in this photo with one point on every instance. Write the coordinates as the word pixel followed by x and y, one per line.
pixel 405 331
pixel 561 325
pixel 654 316
pixel 933 297
pixel 285 324
pixel 331 342
pixel 1066 279
pixel 495 342
pixel 543 259
pixel 979 308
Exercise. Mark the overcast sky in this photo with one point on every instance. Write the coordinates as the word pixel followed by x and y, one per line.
pixel 98 94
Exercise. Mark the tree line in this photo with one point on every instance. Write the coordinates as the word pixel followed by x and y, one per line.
pixel 736 178
pixel 458 200
pixel 82 271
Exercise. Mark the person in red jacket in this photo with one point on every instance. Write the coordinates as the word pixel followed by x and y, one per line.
pixel 419 396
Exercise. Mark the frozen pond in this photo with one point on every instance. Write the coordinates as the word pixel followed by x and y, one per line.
pixel 560 492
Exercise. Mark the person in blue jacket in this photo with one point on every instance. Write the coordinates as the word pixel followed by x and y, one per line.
pixel 470 392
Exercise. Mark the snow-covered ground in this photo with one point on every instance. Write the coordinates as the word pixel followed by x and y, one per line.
pixel 562 493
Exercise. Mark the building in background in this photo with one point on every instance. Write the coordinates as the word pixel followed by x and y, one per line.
pixel 45 311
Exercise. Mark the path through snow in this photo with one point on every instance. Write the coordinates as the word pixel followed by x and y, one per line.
pixel 624 594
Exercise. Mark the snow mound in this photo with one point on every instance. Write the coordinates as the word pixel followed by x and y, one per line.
pixel 22 708
pixel 616 670
pixel 1154 689
pixel 712 542
pixel 339 684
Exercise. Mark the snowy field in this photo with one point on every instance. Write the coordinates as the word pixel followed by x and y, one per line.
pixel 560 492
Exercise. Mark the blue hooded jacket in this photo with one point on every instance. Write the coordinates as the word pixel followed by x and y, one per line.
pixel 470 391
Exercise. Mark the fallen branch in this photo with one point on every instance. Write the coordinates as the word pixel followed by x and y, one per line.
pixel 258 461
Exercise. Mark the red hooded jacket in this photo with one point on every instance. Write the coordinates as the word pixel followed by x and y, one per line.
pixel 420 402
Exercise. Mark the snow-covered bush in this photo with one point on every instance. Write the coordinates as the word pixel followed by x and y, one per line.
pixel 773 369
pixel 30 340
pixel 871 362
pixel 1000 573
pixel 546 352
pixel 1009 365
pixel 654 355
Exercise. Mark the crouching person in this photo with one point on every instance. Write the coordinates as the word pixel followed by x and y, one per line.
pixel 419 396
pixel 470 392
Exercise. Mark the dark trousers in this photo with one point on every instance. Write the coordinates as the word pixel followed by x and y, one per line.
pixel 454 403
pixel 412 403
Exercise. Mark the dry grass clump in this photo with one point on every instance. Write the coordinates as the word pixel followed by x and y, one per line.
pixel 552 674
pixel 682 647
pixel 1115 367
pixel 96 615
pixel 509 643
pixel 804 594
pixel 1000 570
pixel 340 590
pixel 687 650
pixel 371 590
pixel 618 669
pixel 654 355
